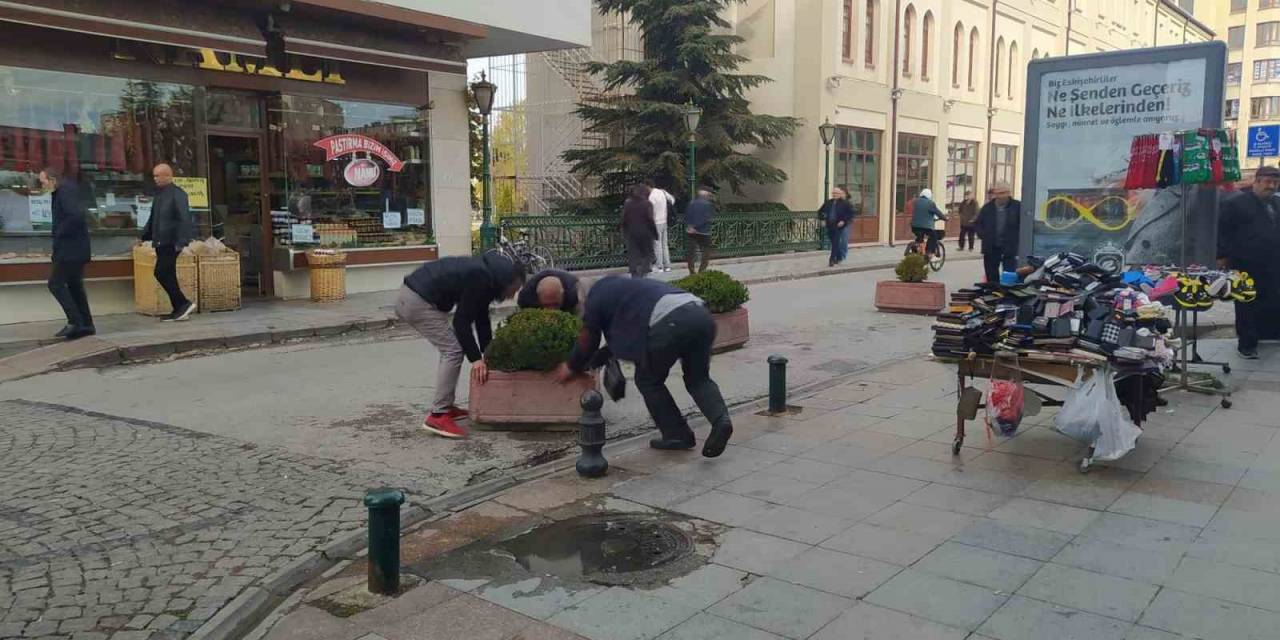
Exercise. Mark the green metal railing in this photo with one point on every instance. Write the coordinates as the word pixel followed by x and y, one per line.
pixel 595 241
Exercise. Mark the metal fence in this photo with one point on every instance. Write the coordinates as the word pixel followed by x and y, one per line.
pixel 595 241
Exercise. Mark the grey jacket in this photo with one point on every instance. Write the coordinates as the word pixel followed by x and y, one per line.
pixel 170 223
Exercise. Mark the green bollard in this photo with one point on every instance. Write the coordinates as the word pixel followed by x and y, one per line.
pixel 777 384
pixel 384 539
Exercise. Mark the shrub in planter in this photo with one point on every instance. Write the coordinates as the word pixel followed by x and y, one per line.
pixel 520 391
pixel 533 340
pixel 911 293
pixel 724 297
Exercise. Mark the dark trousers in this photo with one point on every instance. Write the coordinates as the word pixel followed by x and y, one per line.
pixel 969 232
pixel 685 335
pixel 167 275
pixel 924 234
pixel 699 243
pixel 639 258
pixel 1259 319
pixel 66 283
pixel 994 263
pixel 839 239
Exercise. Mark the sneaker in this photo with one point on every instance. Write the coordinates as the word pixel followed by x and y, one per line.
pixel 458 414
pixel 184 313
pixel 443 425
pixel 1248 354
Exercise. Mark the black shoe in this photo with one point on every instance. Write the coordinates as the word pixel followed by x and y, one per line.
pixel 79 332
pixel 184 313
pixel 1248 354
pixel 672 445
pixel 62 333
pixel 717 441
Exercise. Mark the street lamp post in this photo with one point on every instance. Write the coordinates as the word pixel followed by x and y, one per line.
pixel 691 116
pixel 483 91
pixel 828 133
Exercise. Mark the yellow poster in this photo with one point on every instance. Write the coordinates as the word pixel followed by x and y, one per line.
pixel 197 191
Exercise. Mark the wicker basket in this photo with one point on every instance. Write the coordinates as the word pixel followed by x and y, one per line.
pixel 149 298
pixel 219 282
pixel 328 275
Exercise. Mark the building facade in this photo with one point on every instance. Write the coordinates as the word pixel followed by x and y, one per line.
pixel 1251 29
pixel 291 125
pixel 924 93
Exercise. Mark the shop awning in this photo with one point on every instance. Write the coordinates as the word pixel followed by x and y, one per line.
pixel 380 57
pixel 200 27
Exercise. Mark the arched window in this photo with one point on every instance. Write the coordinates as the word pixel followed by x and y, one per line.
pixel 846 28
pixel 973 57
pixel 1013 67
pixel 908 25
pixel 999 65
pixel 869 49
pixel 956 48
pixel 926 38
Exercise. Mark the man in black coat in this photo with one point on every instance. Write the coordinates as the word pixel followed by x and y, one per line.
pixel 170 229
pixel 654 325
pixel 552 289
pixel 999 223
pixel 463 287
pixel 70 255
pixel 1249 240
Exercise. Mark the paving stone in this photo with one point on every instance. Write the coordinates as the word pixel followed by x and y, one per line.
pixel 780 607
pixel 882 543
pixel 657 491
pixel 771 488
pixel 1022 618
pixel 1141 532
pixel 1235 584
pixel 1015 539
pixel 1153 566
pixel 796 524
pixel 1094 592
pixel 922 520
pixel 708 627
pixel 958 499
pixel 727 508
pixel 806 470
pixel 704 586
pixel 869 622
pixel 1147 633
pixel 982 567
pixel 939 599
pixel 834 572
pixel 537 597
pixel 755 552
pixel 1045 515
pixel 623 614
pixel 1199 616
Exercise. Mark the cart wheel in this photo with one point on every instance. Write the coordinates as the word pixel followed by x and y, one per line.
pixel 1226 368
pixel 1084 465
pixel 1226 404
pixel 955 446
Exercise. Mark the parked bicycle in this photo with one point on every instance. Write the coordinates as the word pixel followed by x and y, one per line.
pixel 532 258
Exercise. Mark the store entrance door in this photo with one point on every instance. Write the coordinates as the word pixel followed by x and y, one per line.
pixel 237 209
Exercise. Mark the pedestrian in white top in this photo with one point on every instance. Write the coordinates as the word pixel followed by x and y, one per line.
pixel 662 202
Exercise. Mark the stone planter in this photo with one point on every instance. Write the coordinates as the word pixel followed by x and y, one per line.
pixel 910 297
pixel 732 329
pixel 514 399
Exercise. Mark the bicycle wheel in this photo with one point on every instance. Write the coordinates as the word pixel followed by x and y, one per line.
pixel 939 258
pixel 541 258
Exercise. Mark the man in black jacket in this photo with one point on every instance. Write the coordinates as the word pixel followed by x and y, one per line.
pixel 1249 240
pixel 999 223
pixel 70 255
pixel 169 229
pixel 466 287
pixel 654 324
pixel 552 289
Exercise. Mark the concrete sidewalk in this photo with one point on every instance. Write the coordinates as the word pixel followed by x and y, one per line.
pixel 31 350
pixel 851 519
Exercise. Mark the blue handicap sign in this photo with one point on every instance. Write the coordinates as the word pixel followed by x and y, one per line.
pixel 1264 141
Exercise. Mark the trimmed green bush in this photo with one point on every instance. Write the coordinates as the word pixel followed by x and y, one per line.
pixel 533 340
pixel 913 268
pixel 718 289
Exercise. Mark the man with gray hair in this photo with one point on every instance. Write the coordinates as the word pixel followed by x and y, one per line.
pixel 999 223
pixel 697 220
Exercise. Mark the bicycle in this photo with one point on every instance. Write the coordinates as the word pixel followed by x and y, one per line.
pixel 935 259
pixel 531 258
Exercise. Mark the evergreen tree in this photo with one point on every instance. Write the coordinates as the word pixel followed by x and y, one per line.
pixel 688 59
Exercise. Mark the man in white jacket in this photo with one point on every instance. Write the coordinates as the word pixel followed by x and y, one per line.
pixel 662 202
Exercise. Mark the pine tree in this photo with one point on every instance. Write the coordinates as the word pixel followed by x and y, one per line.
pixel 686 60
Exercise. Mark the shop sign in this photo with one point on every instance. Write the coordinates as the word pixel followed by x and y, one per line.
pixel 390 219
pixel 361 172
pixel 197 191
pixel 240 64
pixel 348 143
pixel 416 217
pixel 41 208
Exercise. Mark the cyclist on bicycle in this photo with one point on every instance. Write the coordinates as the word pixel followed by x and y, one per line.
pixel 923 213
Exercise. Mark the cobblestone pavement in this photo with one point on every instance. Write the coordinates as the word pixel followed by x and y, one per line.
pixel 122 528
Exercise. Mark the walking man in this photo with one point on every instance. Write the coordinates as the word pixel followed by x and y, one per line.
pixel 552 289
pixel 662 202
pixel 968 220
pixel 697 220
pixel 837 213
pixel 169 229
pixel 70 254
pixel 463 287
pixel 654 325
pixel 998 224
pixel 1249 241
pixel 639 231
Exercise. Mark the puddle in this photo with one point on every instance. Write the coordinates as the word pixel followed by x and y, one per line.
pixel 605 549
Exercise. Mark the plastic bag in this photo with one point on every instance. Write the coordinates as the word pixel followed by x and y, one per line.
pixel 1078 418
pixel 1004 401
pixel 1093 415
pixel 1118 433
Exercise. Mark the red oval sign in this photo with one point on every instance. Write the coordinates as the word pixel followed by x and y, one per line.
pixel 362 172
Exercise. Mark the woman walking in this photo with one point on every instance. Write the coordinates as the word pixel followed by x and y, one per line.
pixel 639 231
pixel 837 213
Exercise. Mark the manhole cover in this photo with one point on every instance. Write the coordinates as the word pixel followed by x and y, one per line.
pixel 614 549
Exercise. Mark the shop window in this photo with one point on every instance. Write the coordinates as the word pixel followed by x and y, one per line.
pixel 857 167
pixel 1004 165
pixel 914 168
pixel 356 172
pixel 962 170
pixel 105 134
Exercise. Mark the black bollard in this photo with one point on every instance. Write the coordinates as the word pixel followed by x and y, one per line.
pixel 384 539
pixel 777 384
pixel 591 463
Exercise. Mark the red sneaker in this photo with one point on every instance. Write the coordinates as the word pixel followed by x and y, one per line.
pixel 458 414
pixel 443 425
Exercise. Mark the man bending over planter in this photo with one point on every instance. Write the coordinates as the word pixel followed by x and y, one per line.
pixel 654 324
pixel 466 287
pixel 552 289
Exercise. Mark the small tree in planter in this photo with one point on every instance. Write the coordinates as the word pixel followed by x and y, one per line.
pixel 520 390
pixel 911 292
pixel 724 297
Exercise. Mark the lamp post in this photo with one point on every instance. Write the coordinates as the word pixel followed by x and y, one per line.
pixel 828 133
pixel 691 116
pixel 483 91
